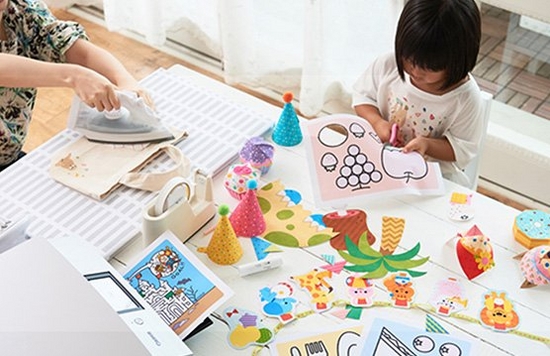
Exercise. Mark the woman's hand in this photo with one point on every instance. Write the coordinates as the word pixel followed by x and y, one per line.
pixel 94 89
pixel 133 86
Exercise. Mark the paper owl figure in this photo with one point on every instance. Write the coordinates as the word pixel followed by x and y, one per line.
pixel 224 247
pixel 474 252
pixel 287 132
pixel 247 218
pixel 535 266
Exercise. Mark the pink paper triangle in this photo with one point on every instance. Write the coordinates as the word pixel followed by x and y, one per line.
pixel 247 218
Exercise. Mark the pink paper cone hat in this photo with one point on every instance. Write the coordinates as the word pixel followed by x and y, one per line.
pixel 247 218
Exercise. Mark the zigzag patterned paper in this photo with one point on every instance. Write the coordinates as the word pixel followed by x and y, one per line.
pixel 392 231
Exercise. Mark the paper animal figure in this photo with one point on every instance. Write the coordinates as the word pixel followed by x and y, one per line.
pixel 474 252
pixel 360 291
pixel 348 163
pixel 498 312
pixel 246 329
pixel 287 132
pixel 448 297
pixel 400 288
pixel 352 224
pixel 247 218
pixel 316 284
pixel 532 228
pixel 258 153
pixel 535 266
pixel 224 247
pixel 277 302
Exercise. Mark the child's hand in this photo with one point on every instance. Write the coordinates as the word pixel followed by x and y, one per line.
pixel 419 144
pixel 383 130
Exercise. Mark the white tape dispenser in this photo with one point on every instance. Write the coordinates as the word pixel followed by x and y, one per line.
pixel 182 207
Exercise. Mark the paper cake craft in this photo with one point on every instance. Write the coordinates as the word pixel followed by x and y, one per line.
pixel 532 228
pixel 287 131
pixel 474 252
pixel 236 178
pixel 535 266
pixel 258 153
pixel 224 247
pixel 348 163
pixel 247 218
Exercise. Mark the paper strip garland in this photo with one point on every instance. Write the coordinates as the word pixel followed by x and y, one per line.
pixel 433 326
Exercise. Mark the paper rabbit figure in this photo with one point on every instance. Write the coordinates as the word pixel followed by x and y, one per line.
pixel 287 132
pixel 247 218
pixel 224 247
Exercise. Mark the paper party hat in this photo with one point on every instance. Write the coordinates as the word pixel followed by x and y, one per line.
pixel 247 218
pixel 287 131
pixel 224 247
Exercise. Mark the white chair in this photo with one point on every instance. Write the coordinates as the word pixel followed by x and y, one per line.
pixel 472 169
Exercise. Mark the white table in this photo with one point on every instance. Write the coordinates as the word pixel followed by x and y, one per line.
pixel 426 221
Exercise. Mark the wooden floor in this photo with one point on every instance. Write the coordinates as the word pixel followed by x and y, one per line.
pixel 52 106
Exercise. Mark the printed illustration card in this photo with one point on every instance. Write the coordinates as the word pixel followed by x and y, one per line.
pixel 179 287
pixel 348 162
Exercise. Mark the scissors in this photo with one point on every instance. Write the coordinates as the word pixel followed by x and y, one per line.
pixel 393 135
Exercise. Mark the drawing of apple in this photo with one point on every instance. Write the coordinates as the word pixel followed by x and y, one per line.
pixel 399 165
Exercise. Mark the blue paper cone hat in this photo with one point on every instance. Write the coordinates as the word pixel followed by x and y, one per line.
pixel 287 131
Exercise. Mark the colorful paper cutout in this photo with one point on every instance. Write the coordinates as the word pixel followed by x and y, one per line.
pixel 247 218
pixel 433 326
pixel 260 247
pixel 336 267
pixel 328 258
pixel 474 252
pixel 224 247
pixel 350 165
pixel 448 297
pixel 399 285
pixel 361 291
pixel 315 283
pixel 535 266
pixel 498 312
pixel 277 302
pixel 392 231
pixel 289 226
pixel 237 177
pixel 532 228
pixel 258 153
pixel 246 329
pixel 376 265
pixel 461 207
pixel 352 224
pixel 287 131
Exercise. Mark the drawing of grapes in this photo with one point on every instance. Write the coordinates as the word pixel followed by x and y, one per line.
pixel 357 171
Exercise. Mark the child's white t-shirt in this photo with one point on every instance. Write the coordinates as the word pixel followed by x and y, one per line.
pixel 456 115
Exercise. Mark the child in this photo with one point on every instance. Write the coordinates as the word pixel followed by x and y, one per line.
pixel 426 88
pixel 37 50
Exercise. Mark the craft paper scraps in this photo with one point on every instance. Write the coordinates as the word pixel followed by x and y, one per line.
pixel 498 312
pixel 286 225
pixel 337 340
pixel 246 329
pixel 224 247
pixel 399 286
pixel 360 291
pixel 474 252
pixel 433 326
pixel 532 228
pixel 336 267
pixel 352 224
pixel 247 218
pixel 535 266
pixel 376 265
pixel 287 131
pixel 328 258
pixel 392 231
pixel 461 207
pixel 348 163
pixel 277 302
pixel 448 297
pixel 316 284
pixel 260 247
pixel 388 338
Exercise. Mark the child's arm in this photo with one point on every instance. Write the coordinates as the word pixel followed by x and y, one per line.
pixel 375 119
pixel 438 148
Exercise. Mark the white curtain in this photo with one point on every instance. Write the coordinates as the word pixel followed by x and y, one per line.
pixel 314 48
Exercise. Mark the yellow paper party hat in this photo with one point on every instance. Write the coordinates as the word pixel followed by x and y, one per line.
pixel 224 247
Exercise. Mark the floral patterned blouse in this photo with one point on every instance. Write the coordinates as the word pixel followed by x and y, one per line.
pixel 33 32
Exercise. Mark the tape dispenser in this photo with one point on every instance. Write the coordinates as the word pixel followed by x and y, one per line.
pixel 182 206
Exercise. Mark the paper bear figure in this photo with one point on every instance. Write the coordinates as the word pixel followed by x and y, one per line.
pixel 247 218
pixel 287 132
pixel 224 247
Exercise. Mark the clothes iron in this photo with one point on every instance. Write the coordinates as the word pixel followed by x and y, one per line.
pixel 134 122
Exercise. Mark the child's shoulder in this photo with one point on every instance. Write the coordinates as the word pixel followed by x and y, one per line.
pixel 385 63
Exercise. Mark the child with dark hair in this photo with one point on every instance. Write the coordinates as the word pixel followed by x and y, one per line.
pixel 425 86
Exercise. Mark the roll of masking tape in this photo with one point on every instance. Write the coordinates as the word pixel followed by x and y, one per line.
pixel 174 191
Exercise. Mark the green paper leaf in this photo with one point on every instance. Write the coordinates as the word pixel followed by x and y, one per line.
pixel 415 273
pixel 378 273
pixel 365 268
pixel 404 265
pixel 354 250
pixel 405 255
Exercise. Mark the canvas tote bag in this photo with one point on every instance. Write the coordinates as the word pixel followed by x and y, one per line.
pixel 97 169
